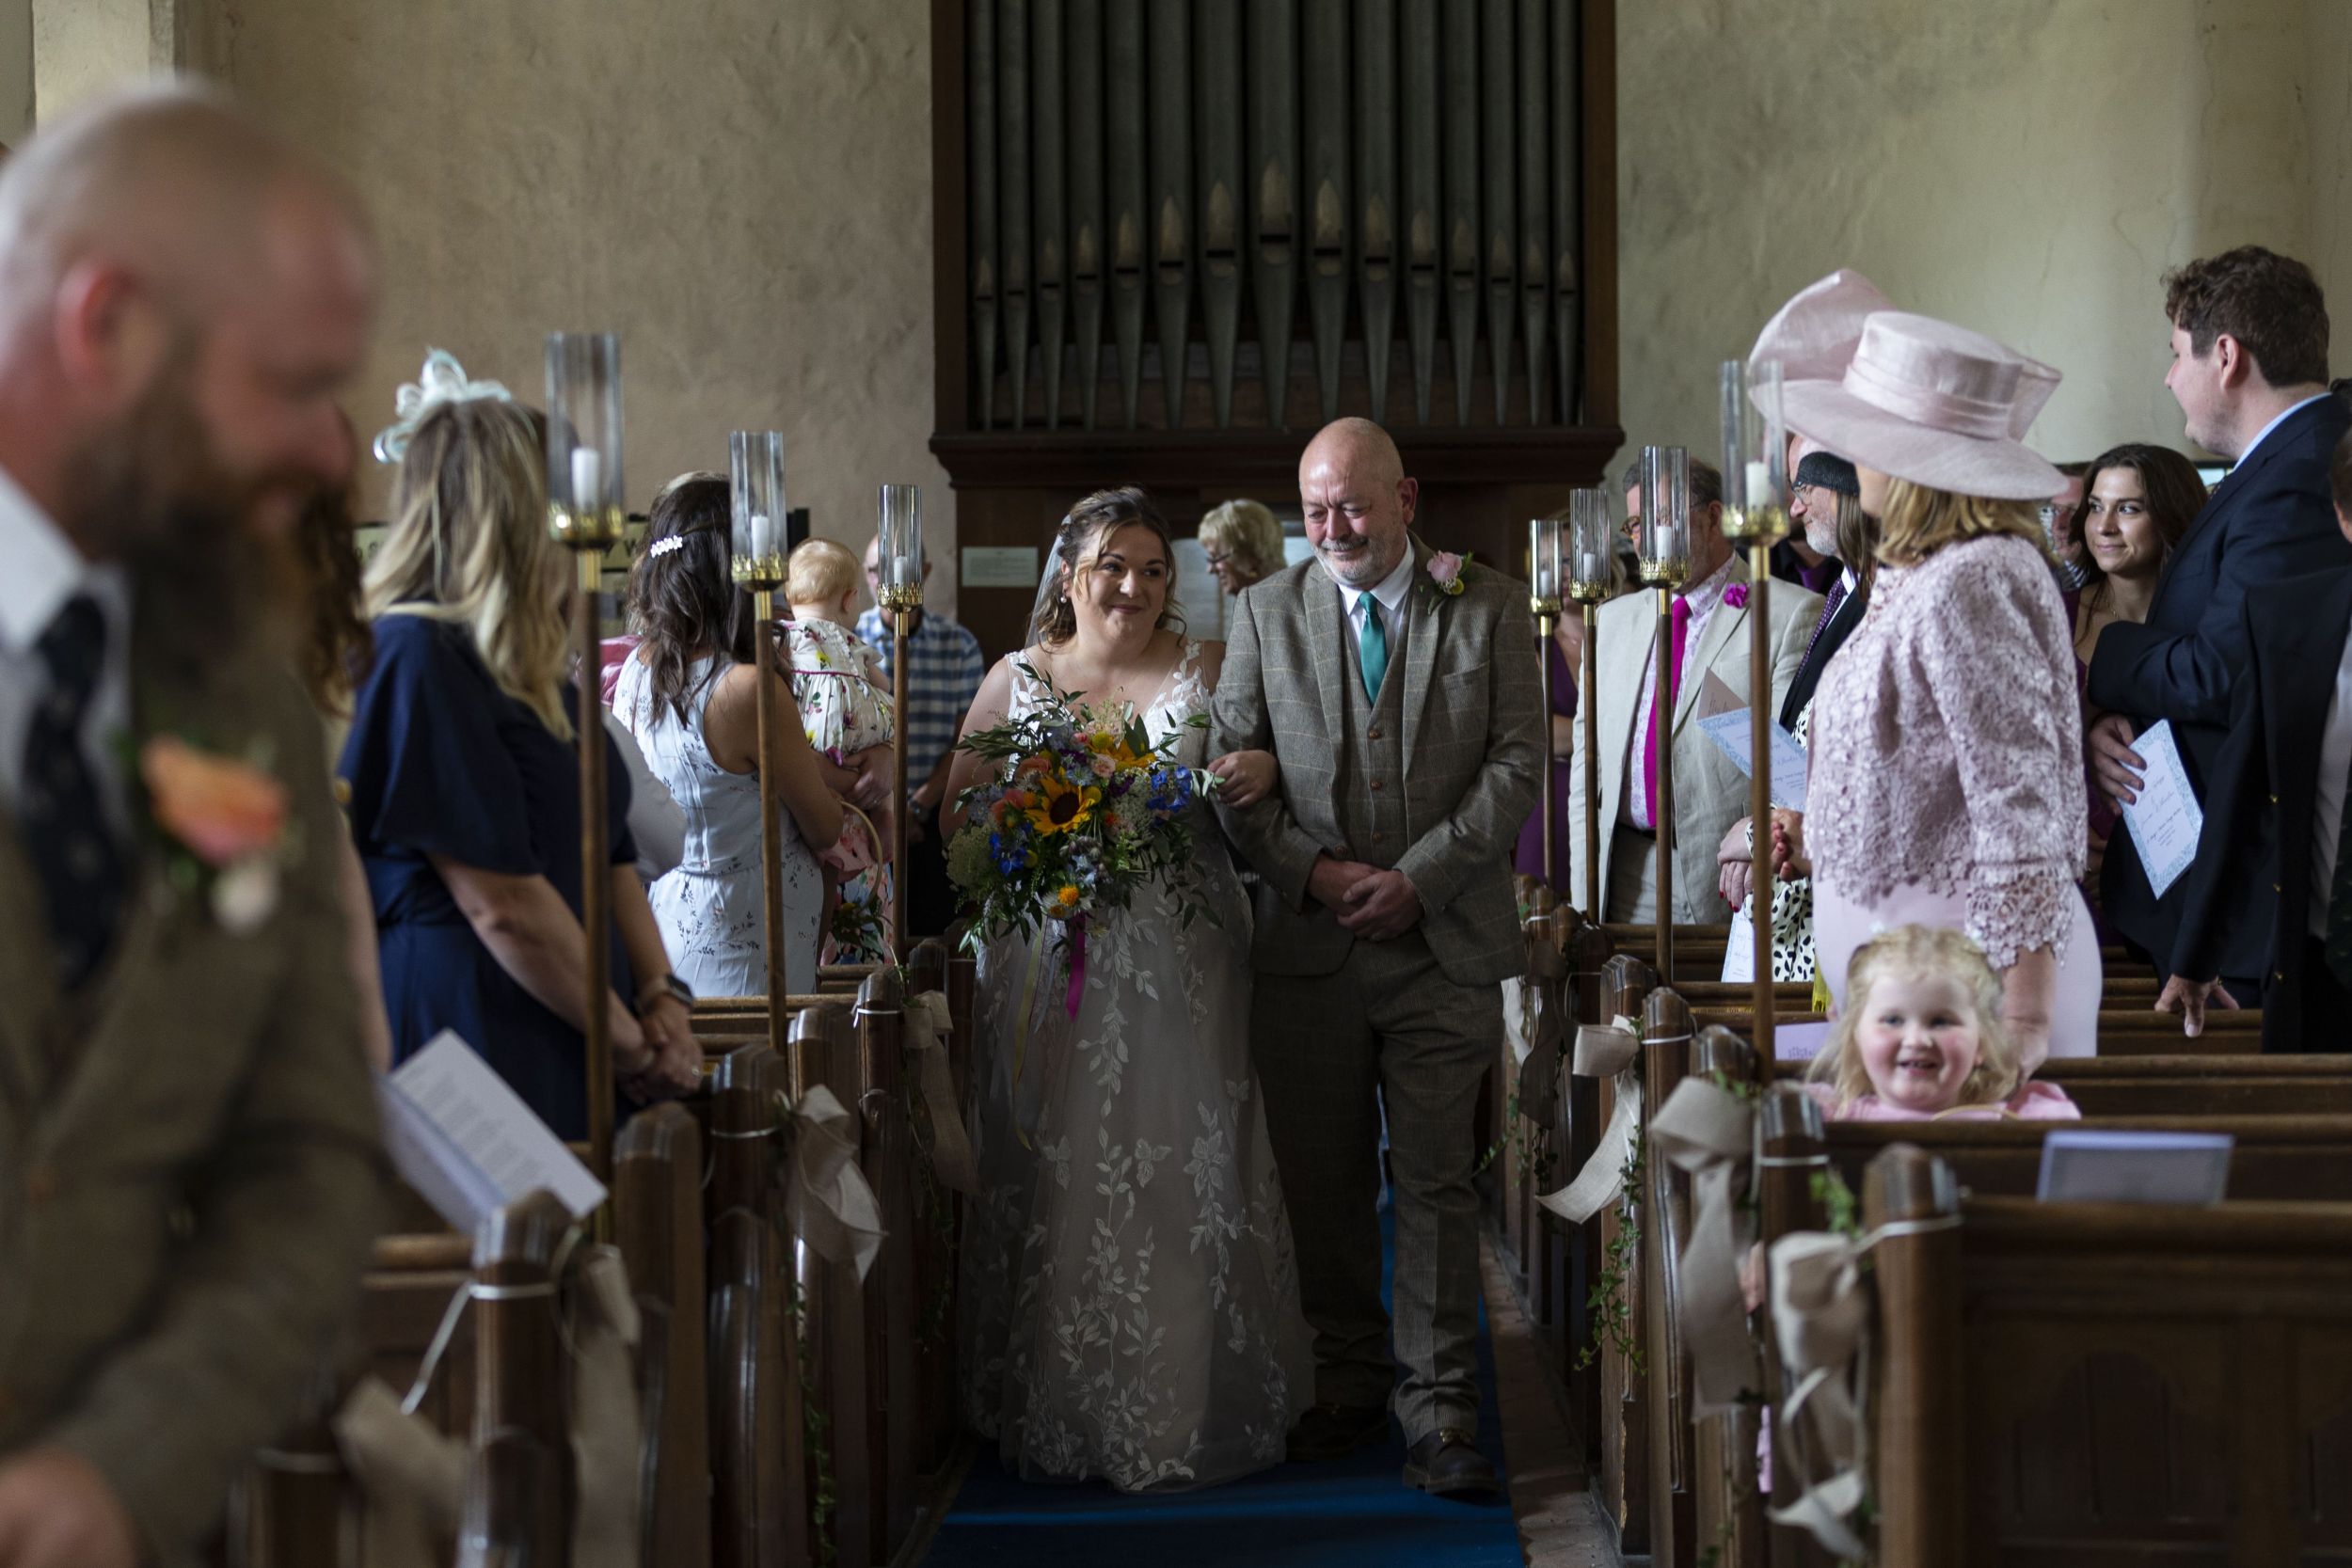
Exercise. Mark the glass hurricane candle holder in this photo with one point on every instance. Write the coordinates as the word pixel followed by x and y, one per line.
pixel 1592 546
pixel 1666 538
pixel 898 557
pixel 1755 454
pixel 756 476
pixel 1544 545
pixel 584 489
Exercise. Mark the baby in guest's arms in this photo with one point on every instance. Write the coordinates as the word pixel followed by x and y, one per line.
pixel 1921 1039
pixel 845 706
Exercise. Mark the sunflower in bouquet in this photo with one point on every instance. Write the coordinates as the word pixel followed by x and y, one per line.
pixel 1082 809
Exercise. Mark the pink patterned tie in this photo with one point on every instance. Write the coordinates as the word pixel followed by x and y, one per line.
pixel 1649 719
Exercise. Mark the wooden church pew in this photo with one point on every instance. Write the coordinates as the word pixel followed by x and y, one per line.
pixel 761 1493
pixel 2274 1157
pixel 2109 1384
pixel 658 1223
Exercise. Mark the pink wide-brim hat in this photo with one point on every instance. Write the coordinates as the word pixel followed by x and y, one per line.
pixel 1815 334
pixel 1935 403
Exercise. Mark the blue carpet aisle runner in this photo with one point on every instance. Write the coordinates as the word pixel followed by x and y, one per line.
pixel 1348 1513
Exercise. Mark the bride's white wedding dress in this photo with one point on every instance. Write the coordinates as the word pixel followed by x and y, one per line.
pixel 1130 1308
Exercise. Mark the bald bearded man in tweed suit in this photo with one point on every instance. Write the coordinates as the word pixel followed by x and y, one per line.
pixel 1399 691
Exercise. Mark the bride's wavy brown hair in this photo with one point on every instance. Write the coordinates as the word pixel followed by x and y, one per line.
pixel 1080 539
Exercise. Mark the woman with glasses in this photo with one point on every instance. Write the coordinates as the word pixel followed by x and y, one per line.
pixel 1243 541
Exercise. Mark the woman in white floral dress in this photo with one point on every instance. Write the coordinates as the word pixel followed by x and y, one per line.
pixel 1130 1309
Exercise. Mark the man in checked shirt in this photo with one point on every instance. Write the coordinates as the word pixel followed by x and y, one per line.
pixel 944 667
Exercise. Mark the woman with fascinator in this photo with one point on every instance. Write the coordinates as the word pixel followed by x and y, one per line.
pixel 1946 782
pixel 464 774
pixel 1130 1308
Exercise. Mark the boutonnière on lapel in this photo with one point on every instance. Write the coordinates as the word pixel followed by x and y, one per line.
pixel 1736 595
pixel 1445 572
pixel 224 827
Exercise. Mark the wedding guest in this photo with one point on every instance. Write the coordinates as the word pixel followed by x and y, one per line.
pixel 945 669
pixel 193 1172
pixel 2136 505
pixel 2061 524
pixel 464 777
pixel 845 706
pixel 1710 793
pixel 1242 540
pixel 1828 503
pixel 1946 763
pixel 2275 809
pixel 690 695
pixel 2249 370
pixel 1924 1040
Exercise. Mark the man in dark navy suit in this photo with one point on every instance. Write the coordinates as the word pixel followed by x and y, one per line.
pixel 2273 852
pixel 2250 370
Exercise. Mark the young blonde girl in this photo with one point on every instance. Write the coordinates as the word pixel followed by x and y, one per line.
pixel 845 709
pixel 1921 1039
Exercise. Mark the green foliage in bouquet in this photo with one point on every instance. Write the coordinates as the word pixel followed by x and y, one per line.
pixel 1082 809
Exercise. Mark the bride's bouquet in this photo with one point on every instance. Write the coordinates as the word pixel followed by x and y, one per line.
pixel 1084 809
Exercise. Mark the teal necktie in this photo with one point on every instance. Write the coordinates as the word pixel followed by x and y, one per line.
pixel 1372 649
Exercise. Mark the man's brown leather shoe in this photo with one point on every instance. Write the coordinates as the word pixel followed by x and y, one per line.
pixel 1447 1464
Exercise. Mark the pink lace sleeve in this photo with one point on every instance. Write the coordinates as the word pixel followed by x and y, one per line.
pixel 2002 674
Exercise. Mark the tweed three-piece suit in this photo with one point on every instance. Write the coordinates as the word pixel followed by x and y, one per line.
pixel 1432 775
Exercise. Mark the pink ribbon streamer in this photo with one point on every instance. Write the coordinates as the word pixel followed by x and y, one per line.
pixel 1077 963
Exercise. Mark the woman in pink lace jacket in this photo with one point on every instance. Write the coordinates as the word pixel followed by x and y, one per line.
pixel 1947 783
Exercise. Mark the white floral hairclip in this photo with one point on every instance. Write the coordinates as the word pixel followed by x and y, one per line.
pixel 441 381
pixel 663 547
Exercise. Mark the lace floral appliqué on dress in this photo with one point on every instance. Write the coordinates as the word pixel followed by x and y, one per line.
pixel 1130 1307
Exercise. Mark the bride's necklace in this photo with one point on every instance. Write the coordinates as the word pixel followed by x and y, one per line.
pixel 1093 695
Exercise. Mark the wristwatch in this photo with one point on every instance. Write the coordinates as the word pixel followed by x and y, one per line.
pixel 669 986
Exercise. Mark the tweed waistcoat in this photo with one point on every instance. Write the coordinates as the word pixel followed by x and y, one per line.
pixel 1371 798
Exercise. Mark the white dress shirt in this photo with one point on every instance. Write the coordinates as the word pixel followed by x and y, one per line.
pixel 43 570
pixel 2335 766
pixel 1388 594
pixel 1638 810
pixel 2264 434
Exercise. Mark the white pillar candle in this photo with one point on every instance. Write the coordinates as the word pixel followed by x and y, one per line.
pixel 1760 485
pixel 763 535
pixel 902 572
pixel 587 478
pixel 1589 570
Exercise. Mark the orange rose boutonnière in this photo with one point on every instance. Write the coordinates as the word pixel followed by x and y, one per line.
pixel 225 821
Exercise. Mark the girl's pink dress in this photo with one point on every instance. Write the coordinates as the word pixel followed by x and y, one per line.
pixel 2032 1102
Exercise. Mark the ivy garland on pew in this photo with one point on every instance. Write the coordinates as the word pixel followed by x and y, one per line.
pixel 1611 1295
pixel 825 1494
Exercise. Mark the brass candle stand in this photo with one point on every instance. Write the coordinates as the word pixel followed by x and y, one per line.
pixel 1665 564
pixel 1591 548
pixel 757 563
pixel 1543 576
pixel 1755 515
pixel 899 559
pixel 585 516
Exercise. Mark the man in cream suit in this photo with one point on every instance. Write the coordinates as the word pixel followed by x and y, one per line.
pixel 1400 694
pixel 1710 793
pixel 189 1169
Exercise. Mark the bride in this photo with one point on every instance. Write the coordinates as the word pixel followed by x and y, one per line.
pixel 1130 1309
